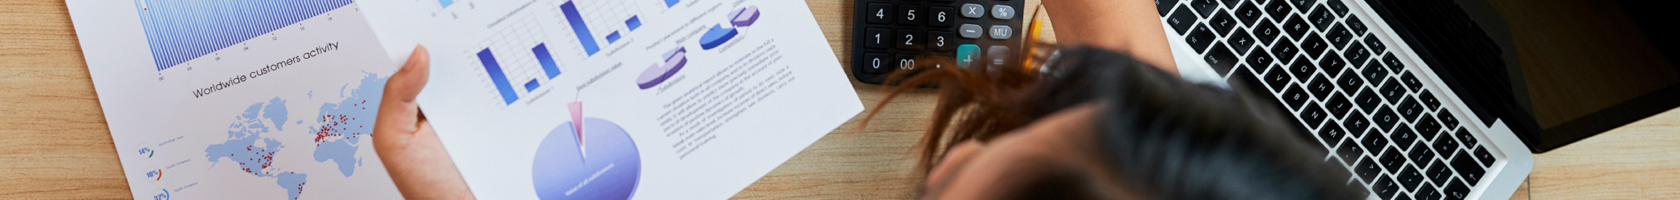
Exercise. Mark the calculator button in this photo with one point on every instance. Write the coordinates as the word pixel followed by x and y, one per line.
pixel 973 11
pixel 1002 32
pixel 941 41
pixel 876 63
pixel 909 39
pixel 879 13
pixel 1004 12
pixel 905 61
pixel 878 38
pixel 910 14
pixel 999 55
pixel 967 54
pixel 941 16
pixel 970 31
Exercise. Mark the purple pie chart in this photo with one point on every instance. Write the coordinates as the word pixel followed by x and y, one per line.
pixel 601 163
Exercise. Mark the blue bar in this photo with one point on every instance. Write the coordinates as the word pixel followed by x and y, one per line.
pixel 669 3
pixel 496 75
pixel 611 38
pixel 531 86
pixel 634 22
pixel 546 60
pixel 445 3
pixel 582 30
pixel 179 31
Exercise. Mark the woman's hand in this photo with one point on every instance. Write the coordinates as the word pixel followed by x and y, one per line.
pixel 405 141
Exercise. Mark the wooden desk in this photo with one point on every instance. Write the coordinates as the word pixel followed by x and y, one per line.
pixel 54 143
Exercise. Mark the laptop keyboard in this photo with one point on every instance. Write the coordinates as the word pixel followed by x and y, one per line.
pixel 1343 84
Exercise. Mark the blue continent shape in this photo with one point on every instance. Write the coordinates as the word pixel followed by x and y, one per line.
pixel 240 147
pixel 293 182
pixel 343 124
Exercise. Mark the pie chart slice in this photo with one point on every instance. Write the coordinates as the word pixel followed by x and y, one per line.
pixel 607 167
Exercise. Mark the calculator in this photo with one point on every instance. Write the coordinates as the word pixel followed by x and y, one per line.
pixel 889 35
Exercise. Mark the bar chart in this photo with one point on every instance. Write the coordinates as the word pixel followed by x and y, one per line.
pixel 180 31
pixel 610 20
pixel 516 61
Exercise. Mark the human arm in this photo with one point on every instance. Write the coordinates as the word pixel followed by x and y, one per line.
pixel 1130 26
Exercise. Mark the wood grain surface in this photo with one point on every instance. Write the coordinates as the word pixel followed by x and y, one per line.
pixel 54 143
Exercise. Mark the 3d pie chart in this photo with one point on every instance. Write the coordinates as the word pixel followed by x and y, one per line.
pixel 597 160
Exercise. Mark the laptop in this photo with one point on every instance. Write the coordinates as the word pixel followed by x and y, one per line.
pixel 1412 96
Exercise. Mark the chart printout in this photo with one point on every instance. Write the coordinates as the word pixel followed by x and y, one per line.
pixel 533 99
pixel 616 99
pixel 239 99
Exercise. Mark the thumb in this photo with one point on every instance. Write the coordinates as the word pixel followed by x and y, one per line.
pixel 397 109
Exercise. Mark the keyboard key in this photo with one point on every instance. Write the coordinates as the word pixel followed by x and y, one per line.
pixel 1349 149
pixel 1248 13
pixel 1385 118
pixel 1295 97
pixel 1002 32
pixel 878 63
pixel 909 39
pixel 1240 41
pixel 1332 63
pixel 1409 108
pixel 1421 154
pixel 882 13
pixel 1201 37
pixel 1003 12
pixel 1276 77
pixel 1402 136
pixel 1314 45
pixel 1367 99
pixel 1339 105
pixel 1302 3
pixel 1447 145
pixel 1409 177
pixel 1358 188
pixel 1391 90
pixel 1367 168
pixel 1393 63
pixel 1357 26
pixel 1259 57
pixel 1221 59
pixel 1375 44
pixel 1296 27
pixel 1285 50
pixel 1355 53
pixel 942 16
pixel 941 41
pixel 1204 7
pixel 1163 6
pixel 1391 159
pixel 1429 100
pixel 1467 167
pixel 1336 5
pixel 1303 69
pixel 1351 80
pixel 1374 74
pixel 1427 127
pixel 1313 115
pixel 1448 120
pixel 1230 3
pixel 1410 80
pixel 1374 140
pixel 911 14
pixel 971 31
pixel 1455 190
pixel 1485 156
pixel 1321 87
pixel 1356 123
pixel 1463 136
pixel 1438 171
pixel 879 38
pixel 1385 187
pixel 1331 133
pixel 1266 31
pixel 976 11
pixel 1338 36
pixel 1320 17
pixel 1279 9
pixel 1222 22
pixel 1428 192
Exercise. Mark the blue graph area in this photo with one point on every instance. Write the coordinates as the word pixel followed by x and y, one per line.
pixel 582 30
pixel 497 76
pixel 179 31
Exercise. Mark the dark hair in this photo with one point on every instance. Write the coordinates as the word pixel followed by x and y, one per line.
pixel 1169 138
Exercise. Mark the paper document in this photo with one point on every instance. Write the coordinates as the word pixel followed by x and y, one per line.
pixel 533 99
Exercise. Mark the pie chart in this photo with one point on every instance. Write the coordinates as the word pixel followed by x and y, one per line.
pixel 601 163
